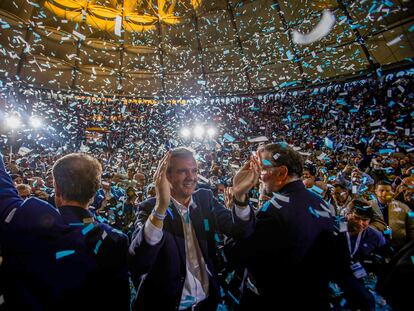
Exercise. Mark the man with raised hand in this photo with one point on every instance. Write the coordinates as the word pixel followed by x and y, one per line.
pixel 60 258
pixel 173 251
pixel 289 256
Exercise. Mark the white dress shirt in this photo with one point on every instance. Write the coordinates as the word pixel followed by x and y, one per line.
pixel 193 292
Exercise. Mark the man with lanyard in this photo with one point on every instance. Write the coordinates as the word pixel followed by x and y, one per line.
pixel 362 240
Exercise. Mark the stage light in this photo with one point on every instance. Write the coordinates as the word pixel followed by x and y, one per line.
pixel 185 132
pixel 211 132
pixel 35 122
pixel 12 122
pixel 199 131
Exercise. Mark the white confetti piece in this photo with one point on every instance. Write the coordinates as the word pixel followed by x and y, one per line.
pixel 79 35
pixel 321 30
pixel 118 25
pixel 276 156
pixel 281 197
pixel 258 139
pixel 395 40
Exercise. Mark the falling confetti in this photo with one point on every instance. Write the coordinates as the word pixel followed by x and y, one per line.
pixel 321 30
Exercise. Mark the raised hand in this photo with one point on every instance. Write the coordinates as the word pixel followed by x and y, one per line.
pixel 228 197
pixel 245 179
pixel 162 185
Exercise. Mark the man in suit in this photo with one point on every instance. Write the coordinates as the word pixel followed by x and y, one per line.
pixel 394 218
pixel 288 257
pixel 60 258
pixel 173 249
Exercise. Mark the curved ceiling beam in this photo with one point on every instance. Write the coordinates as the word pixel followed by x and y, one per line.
pixel 121 53
pixel 161 49
pixel 358 36
pixel 200 52
pixel 75 70
pixel 239 42
pixel 289 34
pixel 28 35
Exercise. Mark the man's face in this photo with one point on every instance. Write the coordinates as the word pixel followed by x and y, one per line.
pixel 18 181
pixel 220 189
pixel 268 173
pixel 408 195
pixel 306 175
pixel 183 176
pixel 49 181
pixel 131 173
pixel 140 178
pixel 357 223
pixel 106 185
pixel 384 193
pixel 340 195
pixel 356 175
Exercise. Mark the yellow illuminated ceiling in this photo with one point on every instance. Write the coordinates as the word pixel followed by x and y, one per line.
pixel 173 48
pixel 137 15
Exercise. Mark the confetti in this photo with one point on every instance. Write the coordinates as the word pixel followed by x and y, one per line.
pixel 321 30
pixel 65 253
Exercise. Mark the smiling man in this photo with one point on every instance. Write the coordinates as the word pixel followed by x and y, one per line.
pixel 361 238
pixel 173 251
pixel 290 255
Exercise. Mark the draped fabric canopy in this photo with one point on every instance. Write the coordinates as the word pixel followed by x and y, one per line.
pixel 195 47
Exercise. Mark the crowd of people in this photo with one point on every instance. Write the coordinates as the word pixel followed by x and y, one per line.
pixel 324 217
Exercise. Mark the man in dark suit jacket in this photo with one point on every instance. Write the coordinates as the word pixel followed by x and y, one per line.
pixel 288 256
pixel 173 249
pixel 59 258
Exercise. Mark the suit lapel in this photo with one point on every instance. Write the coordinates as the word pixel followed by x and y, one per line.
pixel 200 224
pixel 173 224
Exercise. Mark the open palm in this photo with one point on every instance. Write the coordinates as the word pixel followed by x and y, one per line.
pixel 246 178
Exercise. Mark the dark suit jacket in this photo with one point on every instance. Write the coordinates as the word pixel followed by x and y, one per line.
pixel 285 255
pixel 52 261
pixel 162 267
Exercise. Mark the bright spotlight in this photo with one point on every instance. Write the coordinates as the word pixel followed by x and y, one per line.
pixel 185 132
pixel 12 122
pixel 35 122
pixel 211 132
pixel 198 131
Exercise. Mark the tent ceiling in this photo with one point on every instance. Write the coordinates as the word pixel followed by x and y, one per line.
pixel 194 47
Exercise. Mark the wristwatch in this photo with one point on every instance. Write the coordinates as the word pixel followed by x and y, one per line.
pixel 238 203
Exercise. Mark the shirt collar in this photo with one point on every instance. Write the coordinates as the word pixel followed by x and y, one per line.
pixel 292 186
pixel 181 208
pixel 74 214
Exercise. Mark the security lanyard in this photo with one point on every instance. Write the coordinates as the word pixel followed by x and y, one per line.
pixel 358 241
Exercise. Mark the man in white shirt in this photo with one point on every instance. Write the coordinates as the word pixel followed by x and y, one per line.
pixel 173 251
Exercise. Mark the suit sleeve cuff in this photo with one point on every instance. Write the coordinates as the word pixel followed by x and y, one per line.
pixel 242 213
pixel 152 234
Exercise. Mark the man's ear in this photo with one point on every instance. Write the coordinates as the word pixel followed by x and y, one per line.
pixel 283 172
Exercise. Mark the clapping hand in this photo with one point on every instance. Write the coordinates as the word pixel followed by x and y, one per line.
pixel 246 178
pixel 162 185
pixel 228 197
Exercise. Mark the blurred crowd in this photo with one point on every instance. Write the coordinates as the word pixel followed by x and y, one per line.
pixel 356 140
